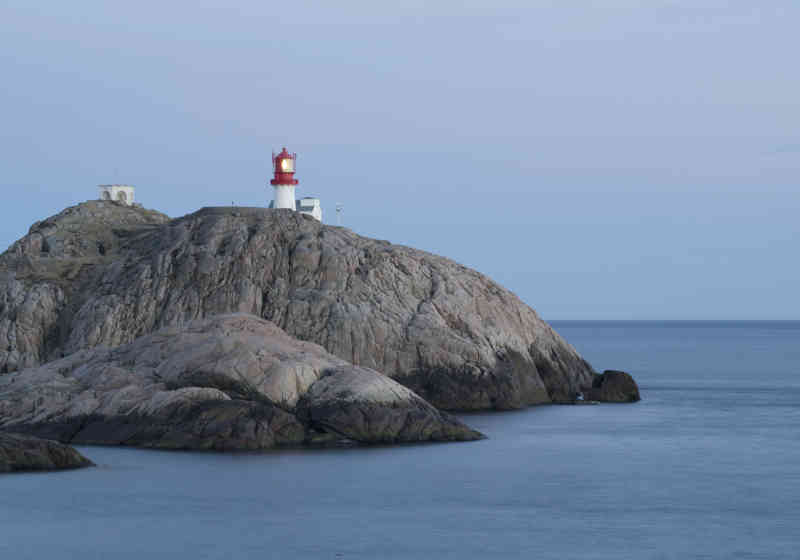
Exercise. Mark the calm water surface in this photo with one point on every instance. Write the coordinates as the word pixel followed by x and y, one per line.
pixel 706 466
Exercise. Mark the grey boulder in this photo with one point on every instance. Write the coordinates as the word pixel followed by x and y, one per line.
pixel 613 386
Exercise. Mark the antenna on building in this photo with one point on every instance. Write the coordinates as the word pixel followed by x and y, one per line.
pixel 339 208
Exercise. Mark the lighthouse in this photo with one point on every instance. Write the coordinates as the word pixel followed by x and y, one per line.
pixel 284 181
pixel 284 184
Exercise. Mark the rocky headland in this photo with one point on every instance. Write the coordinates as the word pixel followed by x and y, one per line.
pixel 101 298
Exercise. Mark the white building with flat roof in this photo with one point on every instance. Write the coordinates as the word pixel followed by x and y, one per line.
pixel 124 194
pixel 310 206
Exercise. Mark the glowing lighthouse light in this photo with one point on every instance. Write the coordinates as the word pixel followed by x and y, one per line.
pixel 285 183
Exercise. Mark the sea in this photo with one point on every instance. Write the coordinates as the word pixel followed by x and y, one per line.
pixel 707 465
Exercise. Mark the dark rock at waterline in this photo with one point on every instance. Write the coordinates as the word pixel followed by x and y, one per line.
pixel 613 386
pixel 27 453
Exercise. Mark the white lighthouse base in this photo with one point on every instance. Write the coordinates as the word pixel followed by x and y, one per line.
pixel 284 197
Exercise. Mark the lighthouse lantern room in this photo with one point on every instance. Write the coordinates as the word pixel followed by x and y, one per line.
pixel 285 183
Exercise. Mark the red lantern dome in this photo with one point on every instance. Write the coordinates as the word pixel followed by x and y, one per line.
pixel 283 164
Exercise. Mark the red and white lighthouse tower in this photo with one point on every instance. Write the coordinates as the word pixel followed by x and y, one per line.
pixel 284 181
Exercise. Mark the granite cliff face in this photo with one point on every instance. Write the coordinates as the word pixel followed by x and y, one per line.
pixel 100 274
pixel 230 382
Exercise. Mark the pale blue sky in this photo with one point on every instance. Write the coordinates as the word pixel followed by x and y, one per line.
pixel 613 159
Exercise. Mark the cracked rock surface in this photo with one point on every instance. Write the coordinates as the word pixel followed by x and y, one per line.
pixel 101 274
pixel 229 382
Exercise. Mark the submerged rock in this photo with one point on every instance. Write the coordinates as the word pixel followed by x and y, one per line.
pixel 227 382
pixel 101 274
pixel 27 453
pixel 613 386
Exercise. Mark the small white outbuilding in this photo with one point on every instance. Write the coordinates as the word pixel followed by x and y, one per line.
pixel 310 206
pixel 307 205
pixel 117 193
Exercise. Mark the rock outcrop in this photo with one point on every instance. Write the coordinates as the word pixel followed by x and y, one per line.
pixel 27 453
pixel 101 274
pixel 43 274
pixel 229 382
pixel 613 386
